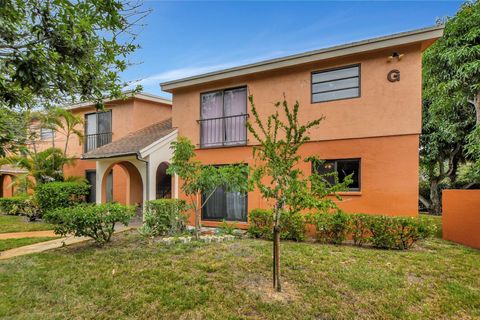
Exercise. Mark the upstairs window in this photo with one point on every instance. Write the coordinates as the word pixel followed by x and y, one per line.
pixel 98 129
pixel 46 133
pixel 343 168
pixel 223 118
pixel 336 84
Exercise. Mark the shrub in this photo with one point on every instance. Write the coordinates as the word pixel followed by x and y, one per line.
pixel 359 229
pixel 226 228
pixel 89 220
pixel 331 227
pixel 12 206
pixel 164 217
pixel 54 195
pixel 261 225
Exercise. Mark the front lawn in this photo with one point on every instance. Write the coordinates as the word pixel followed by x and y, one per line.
pixel 7 244
pixel 138 279
pixel 21 224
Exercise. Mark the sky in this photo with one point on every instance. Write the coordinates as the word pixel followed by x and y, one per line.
pixel 185 38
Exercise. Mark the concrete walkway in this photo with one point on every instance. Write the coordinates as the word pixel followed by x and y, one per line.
pixel 30 234
pixel 48 245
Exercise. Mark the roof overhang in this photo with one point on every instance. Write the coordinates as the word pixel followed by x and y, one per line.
pixel 128 95
pixel 394 40
pixel 142 153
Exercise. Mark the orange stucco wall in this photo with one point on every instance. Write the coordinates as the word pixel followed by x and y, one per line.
pixel 381 127
pixel 6 185
pixel 388 186
pixel 384 108
pixel 461 216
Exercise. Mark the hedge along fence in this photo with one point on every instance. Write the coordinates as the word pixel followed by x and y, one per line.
pixel 164 217
pixel 13 205
pixel 54 195
pixel 379 231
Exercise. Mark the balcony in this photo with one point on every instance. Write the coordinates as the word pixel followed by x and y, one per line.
pixel 94 141
pixel 223 131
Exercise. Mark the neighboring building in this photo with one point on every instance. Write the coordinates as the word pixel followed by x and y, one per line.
pixel 370 93
pixel 119 120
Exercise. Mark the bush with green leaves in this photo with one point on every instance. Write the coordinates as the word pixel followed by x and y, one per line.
pixel 331 228
pixel 379 231
pixel 20 205
pixel 13 205
pixel 90 220
pixel 261 225
pixel 54 195
pixel 164 217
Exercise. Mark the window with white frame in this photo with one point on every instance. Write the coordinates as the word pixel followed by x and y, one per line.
pixel 336 84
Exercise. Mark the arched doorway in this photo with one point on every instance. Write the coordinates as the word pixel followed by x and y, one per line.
pixel 122 183
pixel 7 189
pixel 163 182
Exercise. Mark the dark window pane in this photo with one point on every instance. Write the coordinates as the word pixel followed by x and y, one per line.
pixel 327 167
pixel 347 167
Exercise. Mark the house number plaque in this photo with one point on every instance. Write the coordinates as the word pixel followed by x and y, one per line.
pixel 393 75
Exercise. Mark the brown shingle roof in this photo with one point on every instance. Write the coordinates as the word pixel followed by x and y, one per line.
pixel 133 142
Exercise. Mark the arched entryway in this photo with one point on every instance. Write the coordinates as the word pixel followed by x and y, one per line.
pixel 6 185
pixel 122 183
pixel 163 182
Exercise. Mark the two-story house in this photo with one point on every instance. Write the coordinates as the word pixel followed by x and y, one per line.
pixel 370 93
pixel 120 122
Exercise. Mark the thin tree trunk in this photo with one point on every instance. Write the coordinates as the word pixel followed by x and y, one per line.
pixel 276 262
pixel 477 107
pixel 197 220
pixel 435 205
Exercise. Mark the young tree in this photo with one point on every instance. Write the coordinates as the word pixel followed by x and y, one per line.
pixel 54 51
pixel 276 173
pixel 199 182
pixel 451 122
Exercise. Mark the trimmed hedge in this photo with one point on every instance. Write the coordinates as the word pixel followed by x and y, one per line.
pixel 13 206
pixel 379 231
pixel 20 205
pixel 261 225
pixel 164 217
pixel 90 220
pixel 54 195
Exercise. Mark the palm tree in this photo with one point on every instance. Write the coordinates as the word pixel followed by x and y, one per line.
pixel 65 122
pixel 44 166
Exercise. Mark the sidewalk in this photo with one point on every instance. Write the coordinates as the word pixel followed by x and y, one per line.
pixel 48 245
pixel 30 234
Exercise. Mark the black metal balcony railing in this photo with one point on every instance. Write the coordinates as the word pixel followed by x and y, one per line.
pixel 223 131
pixel 93 141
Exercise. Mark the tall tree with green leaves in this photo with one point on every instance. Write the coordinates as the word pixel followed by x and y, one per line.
pixel 54 52
pixel 277 175
pixel 451 122
pixel 199 182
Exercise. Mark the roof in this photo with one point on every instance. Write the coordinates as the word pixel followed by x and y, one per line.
pixel 383 42
pixel 129 94
pixel 11 169
pixel 132 143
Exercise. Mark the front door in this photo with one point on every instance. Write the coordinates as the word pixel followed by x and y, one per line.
pixel 91 176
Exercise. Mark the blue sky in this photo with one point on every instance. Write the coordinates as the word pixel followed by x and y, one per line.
pixel 183 38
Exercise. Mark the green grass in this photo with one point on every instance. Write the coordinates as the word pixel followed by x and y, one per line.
pixel 7 244
pixel 135 278
pixel 21 224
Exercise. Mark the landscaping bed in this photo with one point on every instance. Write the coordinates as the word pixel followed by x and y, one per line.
pixel 137 277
